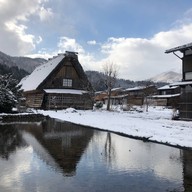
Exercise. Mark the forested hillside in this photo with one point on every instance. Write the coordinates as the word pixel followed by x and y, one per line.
pixel 17 73
pixel 97 80
pixel 26 63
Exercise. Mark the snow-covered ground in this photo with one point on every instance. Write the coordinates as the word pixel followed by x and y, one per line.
pixel 156 124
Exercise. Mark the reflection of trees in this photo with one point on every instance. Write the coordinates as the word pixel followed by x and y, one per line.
pixel 187 170
pixel 10 140
pixel 109 149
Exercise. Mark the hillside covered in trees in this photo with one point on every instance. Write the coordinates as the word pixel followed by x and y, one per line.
pixel 16 73
pixel 97 80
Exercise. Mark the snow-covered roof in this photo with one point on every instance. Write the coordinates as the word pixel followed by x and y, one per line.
pixel 134 89
pixel 117 96
pixel 117 89
pixel 167 87
pixel 40 74
pixel 182 83
pixel 179 48
pixel 165 96
pixel 65 91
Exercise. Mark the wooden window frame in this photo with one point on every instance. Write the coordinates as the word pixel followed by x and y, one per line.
pixel 67 82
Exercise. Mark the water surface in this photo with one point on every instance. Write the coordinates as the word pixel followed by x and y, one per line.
pixel 57 156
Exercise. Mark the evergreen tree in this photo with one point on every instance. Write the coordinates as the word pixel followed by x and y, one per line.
pixel 8 92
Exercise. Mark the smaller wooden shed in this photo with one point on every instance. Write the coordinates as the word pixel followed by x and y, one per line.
pixel 137 95
pixel 167 95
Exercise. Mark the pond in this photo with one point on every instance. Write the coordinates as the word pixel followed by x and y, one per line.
pixel 58 156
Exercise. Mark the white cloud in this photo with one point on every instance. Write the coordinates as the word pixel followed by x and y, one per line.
pixel 45 14
pixel 143 58
pixel 17 33
pixel 68 44
pixel 137 58
pixel 39 40
pixel 14 16
pixel 41 54
pixel 86 59
pixel 92 42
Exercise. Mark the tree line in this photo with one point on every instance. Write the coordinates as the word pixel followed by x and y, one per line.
pixel 97 80
pixel 17 73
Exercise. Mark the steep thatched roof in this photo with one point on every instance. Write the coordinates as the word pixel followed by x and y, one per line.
pixel 44 71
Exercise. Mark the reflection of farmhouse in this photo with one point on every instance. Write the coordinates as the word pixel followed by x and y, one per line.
pixel 185 110
pixel 61 145
pixel 59 83
pixel 187 170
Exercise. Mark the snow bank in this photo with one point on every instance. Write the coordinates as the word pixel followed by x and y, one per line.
pixel 155 125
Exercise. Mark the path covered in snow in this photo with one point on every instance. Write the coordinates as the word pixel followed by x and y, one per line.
pixel 156 125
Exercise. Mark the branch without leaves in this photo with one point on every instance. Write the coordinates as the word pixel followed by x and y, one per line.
pixel 110 71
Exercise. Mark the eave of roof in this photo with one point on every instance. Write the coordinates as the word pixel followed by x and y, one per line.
pixel 182 83
pixel 134 89
pixel 180 48
pixel 117 89
pixel 65 91
pixel 167 87
pixel 165 96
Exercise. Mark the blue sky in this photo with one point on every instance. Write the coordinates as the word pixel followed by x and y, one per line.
pixel 133 34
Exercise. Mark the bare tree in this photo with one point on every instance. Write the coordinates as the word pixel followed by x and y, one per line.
pixel 110 72
pixel 148 90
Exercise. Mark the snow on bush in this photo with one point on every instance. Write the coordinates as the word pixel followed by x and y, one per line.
pixel 7 93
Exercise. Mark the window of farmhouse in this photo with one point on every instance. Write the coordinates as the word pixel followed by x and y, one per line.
pixel 67 82
pixel 188 76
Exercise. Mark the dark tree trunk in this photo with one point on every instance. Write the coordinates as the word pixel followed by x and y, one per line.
pixel 109 100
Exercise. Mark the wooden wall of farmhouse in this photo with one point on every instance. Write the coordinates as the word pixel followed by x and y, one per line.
pixel 158 102
pixel 187 64
pixel 63 101
pixel 135 101
pixel 185 105
pixel 187 170
pixel 58 101
pixel 34 100
pixel 67 71
pixel 169 91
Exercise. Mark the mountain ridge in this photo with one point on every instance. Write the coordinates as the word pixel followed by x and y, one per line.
pixel 26 63
pixel 167 77
pixel 96 78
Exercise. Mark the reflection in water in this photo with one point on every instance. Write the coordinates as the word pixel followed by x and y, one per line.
pixel 187 170
pixel 57 156
pixel 109 150
pixel 10 140
pixel 58 144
